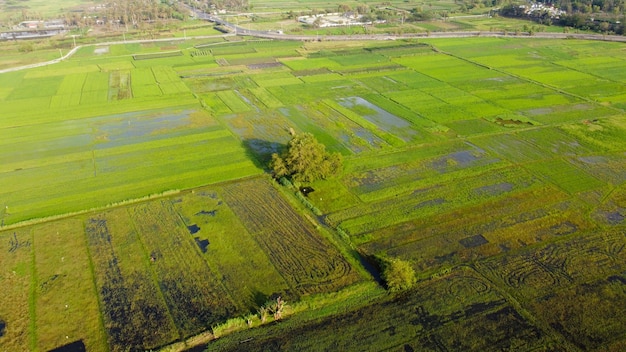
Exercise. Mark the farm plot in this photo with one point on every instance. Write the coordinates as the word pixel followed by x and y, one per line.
pixel 16 279
pixel 143 83
pixel 173 147
pixel 95 89
pixel 276 79
pixel 511 147
pixel 382 119
pixel 195 298
pixel 168 80
pixel 308 262
pixel 316 91
pixel 234 101
pixel 605 134
pixel 365 122
pixel 300 116
pixel 565 175
pixel 447 68
pixel 608 67
pixel 261 133
pixel 435 166
pixel 429 107
pixel 243 267
pixel 266 98
pixel 302 64
pixel 608 168
pixel 554 141
pixel 334 129
pixel 382 82
pixel 119 85
pixel 66 308
pixel 451 312
pixel 69 91
pixel 575 285
pixel 134 313
pixel 368 221
pixel 452 238
pixel 573 113
pixel 29 88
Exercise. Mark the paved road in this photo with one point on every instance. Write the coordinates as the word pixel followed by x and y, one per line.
pixel 237 30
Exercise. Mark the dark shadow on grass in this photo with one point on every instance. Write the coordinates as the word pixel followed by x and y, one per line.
pixel 76 346
pixel 258 299
pixel 260 151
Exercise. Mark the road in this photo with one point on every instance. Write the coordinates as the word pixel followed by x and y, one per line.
pixel 237 30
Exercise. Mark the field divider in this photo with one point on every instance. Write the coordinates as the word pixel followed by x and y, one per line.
pixel 32 295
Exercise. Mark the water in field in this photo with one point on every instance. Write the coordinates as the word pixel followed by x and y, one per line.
pixel 385 120
pixel 119 129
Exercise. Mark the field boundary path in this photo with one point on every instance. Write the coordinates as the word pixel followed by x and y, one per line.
pixel 237 30
pixel 75 49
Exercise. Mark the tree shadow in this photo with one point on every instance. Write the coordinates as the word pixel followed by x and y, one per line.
pixel 260 151
pixel 258 299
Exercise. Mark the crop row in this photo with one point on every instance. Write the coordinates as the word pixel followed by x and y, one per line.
pixel 243 267
pixel 432 200
pixel 307 262
pixel 16 279
pixel 444 314
pixel 194 296
pixel 455 235
pixel 61 261
pixel 588 270
pixel 131 306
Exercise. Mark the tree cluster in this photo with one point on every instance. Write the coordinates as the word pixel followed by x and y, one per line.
pixel 305 160
pixel 600 16
pixel 127 13
pixel 398 275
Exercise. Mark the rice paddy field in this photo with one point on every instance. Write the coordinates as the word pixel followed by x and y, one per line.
pixel 495 166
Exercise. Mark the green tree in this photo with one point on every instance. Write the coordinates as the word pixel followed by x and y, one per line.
pixel 398 275
pixel 305 160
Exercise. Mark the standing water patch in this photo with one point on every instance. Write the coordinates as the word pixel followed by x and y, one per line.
pixel 209 213
pixel 383 119
pixel 193 228
pixel 203 244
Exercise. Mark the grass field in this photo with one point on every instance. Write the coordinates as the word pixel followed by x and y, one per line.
pixel 494 166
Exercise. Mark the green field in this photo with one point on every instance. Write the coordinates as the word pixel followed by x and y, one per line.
pixel 162 270
pixel 494 166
